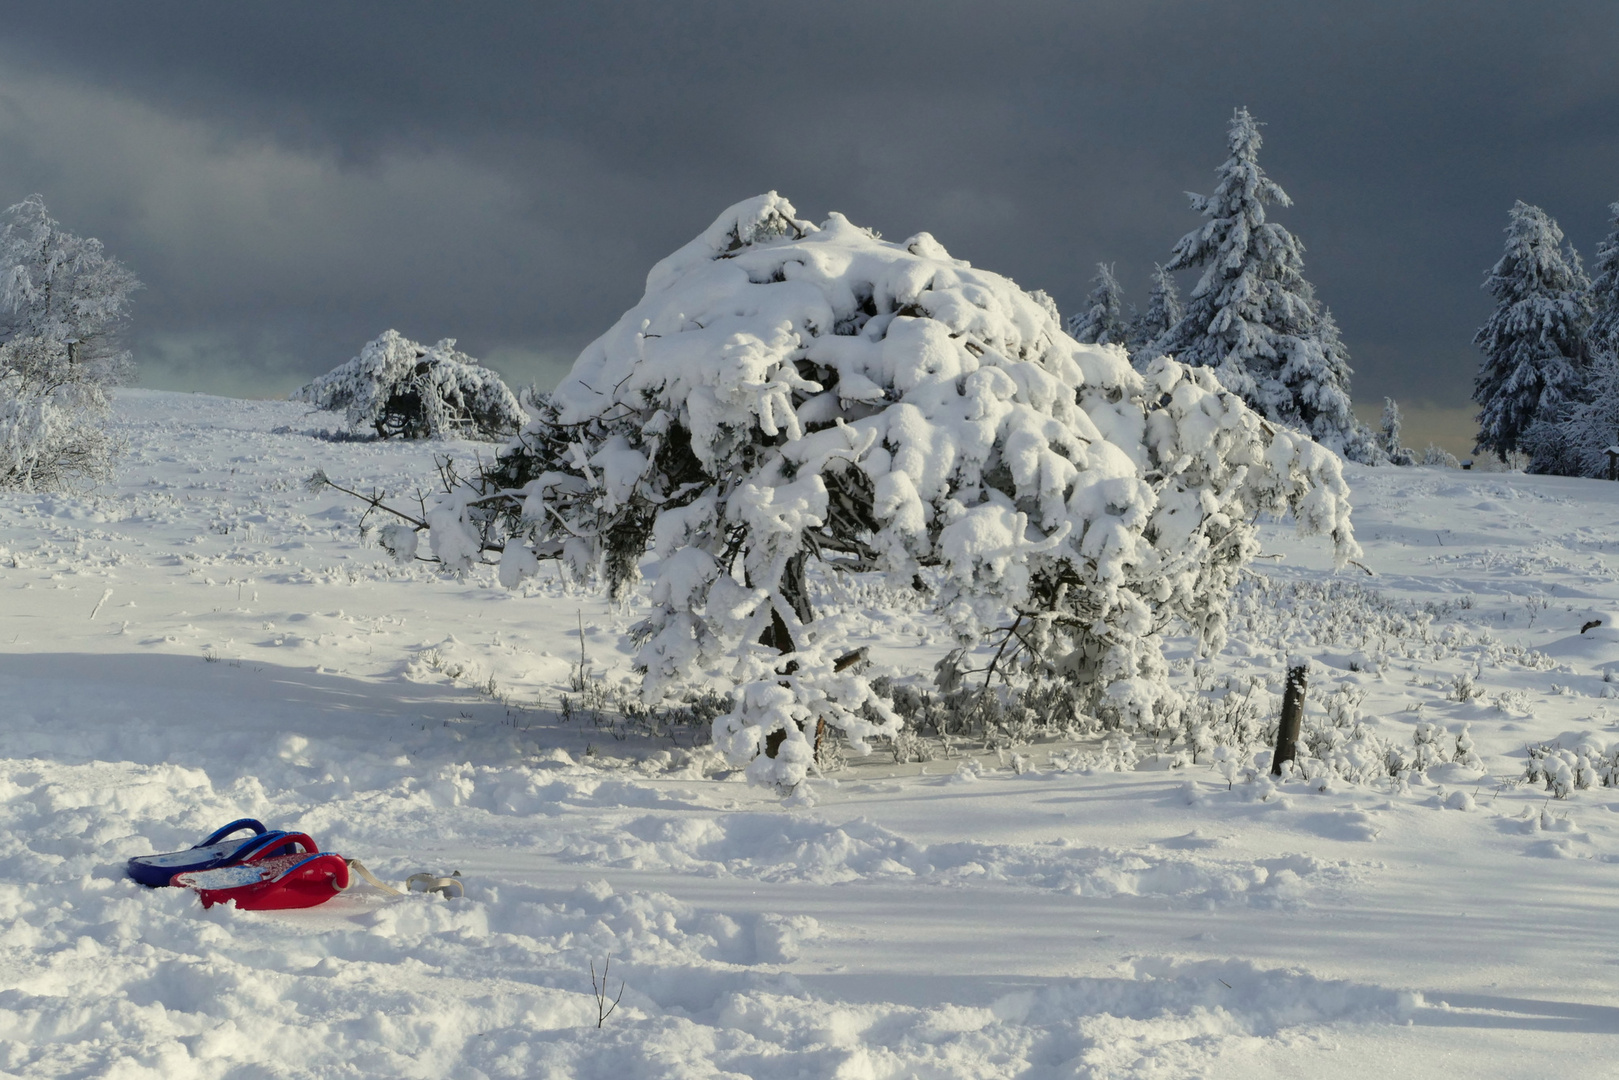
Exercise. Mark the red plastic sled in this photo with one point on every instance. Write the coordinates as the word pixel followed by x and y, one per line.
pixel 269 883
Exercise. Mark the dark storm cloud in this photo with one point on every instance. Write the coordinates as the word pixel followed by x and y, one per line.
pixel 291 179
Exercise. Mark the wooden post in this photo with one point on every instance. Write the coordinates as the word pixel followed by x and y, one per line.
pixel 1613 462
pixel 1287 729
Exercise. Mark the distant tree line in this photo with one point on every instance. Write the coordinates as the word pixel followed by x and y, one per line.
pixel 1548 388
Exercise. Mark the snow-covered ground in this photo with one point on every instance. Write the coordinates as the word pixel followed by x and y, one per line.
pixel 207 639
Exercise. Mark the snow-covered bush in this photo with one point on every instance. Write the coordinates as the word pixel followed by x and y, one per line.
pixel 62 303
pixel 1435 456
pixel 397 387
pixel 1564 771
pixel 787 394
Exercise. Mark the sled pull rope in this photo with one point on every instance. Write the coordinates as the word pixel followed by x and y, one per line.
pixel 445 886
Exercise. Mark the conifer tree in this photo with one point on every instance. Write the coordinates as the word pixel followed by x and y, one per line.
pixel 1604 333
pixel 1534 344
pixel 1252 316
pixel 1163 311
pixel 1390 442
pixel 1389 429
pixel 1574 440
pixel 1101 323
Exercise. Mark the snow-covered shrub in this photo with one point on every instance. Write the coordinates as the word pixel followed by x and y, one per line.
pixel 1000 715
pixel 1563 771
pixel 1437 457
pixel 1116 754
pixel 398 387
pixel 787 393
pixel 62 303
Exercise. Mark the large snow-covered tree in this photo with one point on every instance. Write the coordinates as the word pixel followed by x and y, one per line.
pixel 1163 311
pixel 397 387
pixel 790 402
pixel 1102 321
pixel 1252 316
pixel 1534 342
pixel 63 302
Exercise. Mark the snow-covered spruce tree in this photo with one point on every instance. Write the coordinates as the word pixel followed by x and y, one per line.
pixel 398 387
pixel 1534 343
pixel 1252 316
pixel 1102 321
pixel 62 303
pixel 1573 439
pixel 790 401
pixel 1390 443
pixel 1317 375
pixel 1604 331
pixel 1163 311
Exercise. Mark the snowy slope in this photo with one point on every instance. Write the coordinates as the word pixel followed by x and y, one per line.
pixel 205 639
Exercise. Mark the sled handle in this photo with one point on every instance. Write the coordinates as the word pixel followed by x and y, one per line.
pixel 275 841
pixel 337 862
pixel 234 827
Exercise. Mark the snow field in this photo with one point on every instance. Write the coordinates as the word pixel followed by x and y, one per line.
pixel 963 916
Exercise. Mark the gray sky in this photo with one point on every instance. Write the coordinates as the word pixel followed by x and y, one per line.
pixel 290 179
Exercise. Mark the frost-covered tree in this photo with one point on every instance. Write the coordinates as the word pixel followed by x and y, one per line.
pixel 1253 317
pixel 1573 439
pixel 1316 376
pixel 1437 457
pixel 1604 332
pixel 398 387
pixel 1163 311
pixel 1390 444
pixel 1102 321
pixel 1389 428
pixel 1534 343
pixel 63 302
pixel 788 403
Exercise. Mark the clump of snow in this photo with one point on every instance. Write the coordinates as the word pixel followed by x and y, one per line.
pixel 398 387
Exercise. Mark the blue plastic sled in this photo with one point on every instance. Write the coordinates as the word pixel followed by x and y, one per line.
pixel 215 850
